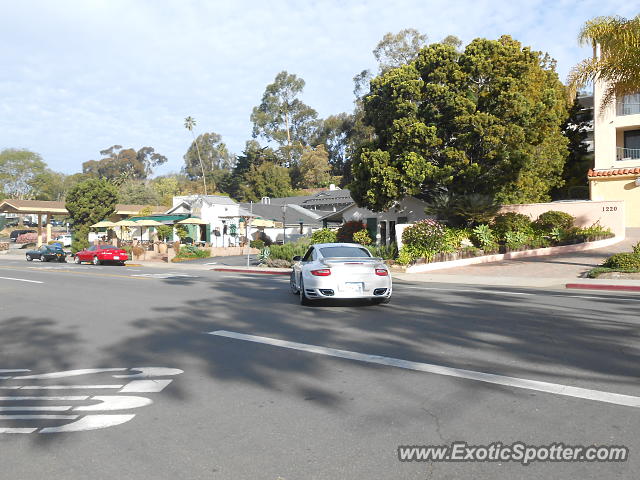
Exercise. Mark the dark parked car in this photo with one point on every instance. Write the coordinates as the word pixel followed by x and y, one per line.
pixel 47 253
pixel 16 233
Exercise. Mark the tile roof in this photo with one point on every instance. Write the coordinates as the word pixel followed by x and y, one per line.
pixel 612 172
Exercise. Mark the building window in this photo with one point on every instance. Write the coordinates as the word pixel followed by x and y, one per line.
pixel 629 105
pixel 631 149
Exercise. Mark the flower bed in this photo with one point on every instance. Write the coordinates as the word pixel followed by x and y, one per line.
pixel 622 263
pixel 429 241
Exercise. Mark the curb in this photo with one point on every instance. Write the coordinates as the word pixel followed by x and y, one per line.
pixel 599 286
pixel 133 265
pixel 263 271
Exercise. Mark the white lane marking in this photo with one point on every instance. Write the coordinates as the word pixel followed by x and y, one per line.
pixel 108 403
pixel 38 417
pixel 90 417
pixel 20 280
pixel 148 372
pixel 18 430
pixel 456 290
pixel 36 408
pixel 145 386
pixel 53 399
pixel 90 422
pixel 6 370
pixel 69 373
pixel 63 387
pixel 566 390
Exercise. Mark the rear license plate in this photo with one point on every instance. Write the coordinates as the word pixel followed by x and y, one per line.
pixel 353 287
pixel 115 257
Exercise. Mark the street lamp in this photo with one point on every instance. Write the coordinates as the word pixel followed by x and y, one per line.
pixel 284 224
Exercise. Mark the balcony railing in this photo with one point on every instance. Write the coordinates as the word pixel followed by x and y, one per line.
pixel 627 153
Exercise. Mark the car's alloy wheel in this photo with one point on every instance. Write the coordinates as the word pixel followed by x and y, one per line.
pixel 96 261
pixel 292 283
pixel 77 260
pixel 303 296
pixel 29 258
pixel 42 258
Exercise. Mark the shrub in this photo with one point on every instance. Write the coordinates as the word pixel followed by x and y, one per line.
pixel 189 251
pixel 547 221
pixel 462 210
pixel 30 238
pixel 289 250
pixel 625 261
pixel 278 263
pixel 182 232
pixel 484 238
pixel 362 237
pixel 324 236
pixel 515 240
pixel 636 248
pixel 406 255
pixel 425 234
pixel 164 232
pixel 137 251
pixel 386 252
pixel 347 229
pixel 264 255
pixel 4 246
pixel 510 222
pixel 259 244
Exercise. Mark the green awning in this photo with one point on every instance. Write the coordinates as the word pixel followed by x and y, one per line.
pixel 162 218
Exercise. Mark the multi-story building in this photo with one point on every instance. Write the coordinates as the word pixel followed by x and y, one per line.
pixel 616 172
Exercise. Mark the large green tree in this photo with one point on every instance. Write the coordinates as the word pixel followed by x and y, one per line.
pixel 484 121
pixel 49 185
pixel 282 117
pixel 18 169
pixel 396 49
pixel 137 192
pixel 617 41
pixel 119 164
pixel 89 202
pixel 265 180
pixel 313 170
pixel 209 155
pixel 580 159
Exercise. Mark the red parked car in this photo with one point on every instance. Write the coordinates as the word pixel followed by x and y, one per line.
pixel 98 254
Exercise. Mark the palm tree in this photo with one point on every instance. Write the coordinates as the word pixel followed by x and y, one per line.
pixel 617 43
pixel 189 123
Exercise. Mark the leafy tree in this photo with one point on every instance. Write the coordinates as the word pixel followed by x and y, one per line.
pixel 189 124
pixel 618 42
pixel 137 192
pixel 18 169
pixel 165 189
pixel 49 185
pixel 484 121
pixel 89 202
pixel 266 180
pixel 452 40
pixel 253 155
pixel 396 49
pixel 214 155
pixel 579 160
pixel 335 133
pixel 282 117
pixel 120 164
pixel 313 168
pixel 217 162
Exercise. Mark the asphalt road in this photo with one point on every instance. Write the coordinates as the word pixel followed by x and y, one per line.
pixel 237 408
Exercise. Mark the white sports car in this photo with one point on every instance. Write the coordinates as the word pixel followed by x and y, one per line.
pixel 340 270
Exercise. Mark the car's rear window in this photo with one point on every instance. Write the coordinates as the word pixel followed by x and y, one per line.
pixel 329 252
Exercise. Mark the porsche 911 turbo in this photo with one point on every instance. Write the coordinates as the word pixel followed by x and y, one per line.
pixel 340 270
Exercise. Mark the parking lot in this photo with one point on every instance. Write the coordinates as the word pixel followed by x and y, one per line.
pixel 185 373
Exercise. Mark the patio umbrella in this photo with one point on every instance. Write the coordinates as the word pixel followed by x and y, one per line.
pixel 261 222
pixel 192 221
pixel 103 224
pixel 126 223
pixel 148 223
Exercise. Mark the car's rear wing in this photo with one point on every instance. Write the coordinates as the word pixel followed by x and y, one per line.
pixel 351 260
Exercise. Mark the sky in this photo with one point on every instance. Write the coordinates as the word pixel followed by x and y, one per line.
pixel 79 76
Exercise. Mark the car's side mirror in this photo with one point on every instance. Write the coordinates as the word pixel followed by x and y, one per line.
pixel 297 258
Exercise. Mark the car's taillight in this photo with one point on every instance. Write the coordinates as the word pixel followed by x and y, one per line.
pixel 323 272
pixel 383 272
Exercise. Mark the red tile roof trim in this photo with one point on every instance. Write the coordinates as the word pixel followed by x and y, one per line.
pixel 614 172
